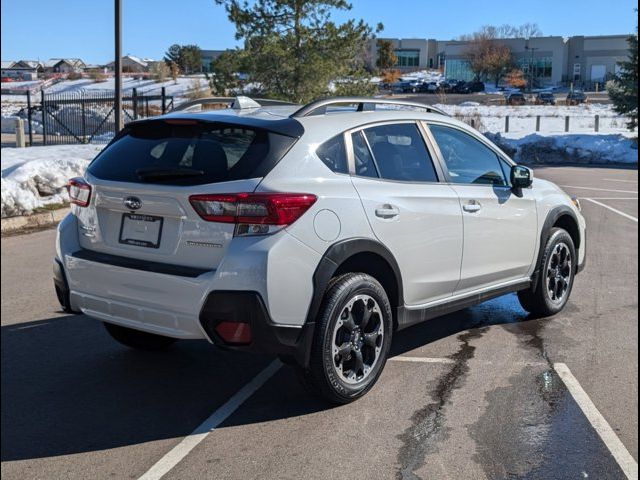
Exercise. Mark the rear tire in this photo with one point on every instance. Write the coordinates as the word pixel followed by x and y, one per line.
pixel 136 339
pixel 555 281
pixel 352 339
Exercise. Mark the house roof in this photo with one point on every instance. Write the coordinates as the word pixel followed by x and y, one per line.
pixel 75 62
pixel 136 60
pixel 7 63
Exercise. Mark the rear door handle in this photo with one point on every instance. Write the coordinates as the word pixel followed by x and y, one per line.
pixel 387 211
pixel 472 206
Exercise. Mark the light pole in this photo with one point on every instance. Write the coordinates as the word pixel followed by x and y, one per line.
pixel 118 66
pixel 532 50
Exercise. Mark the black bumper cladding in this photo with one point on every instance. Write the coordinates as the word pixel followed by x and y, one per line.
pixel 61 286
pixel 249 308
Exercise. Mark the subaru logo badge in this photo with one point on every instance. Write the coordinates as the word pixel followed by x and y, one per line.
pixel 132 203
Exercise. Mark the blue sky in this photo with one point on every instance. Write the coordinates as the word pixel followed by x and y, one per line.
pixel 33 29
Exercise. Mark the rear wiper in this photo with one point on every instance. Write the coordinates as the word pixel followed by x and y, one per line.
pixel 167 173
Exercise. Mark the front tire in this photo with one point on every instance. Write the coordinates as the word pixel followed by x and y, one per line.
pixel 555 281
pixel 352 339
pixel 136 339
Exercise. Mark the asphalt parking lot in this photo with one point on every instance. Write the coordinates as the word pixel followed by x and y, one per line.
pixel 484 393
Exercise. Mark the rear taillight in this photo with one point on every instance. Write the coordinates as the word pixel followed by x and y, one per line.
pixel 253 213
pixel 79 192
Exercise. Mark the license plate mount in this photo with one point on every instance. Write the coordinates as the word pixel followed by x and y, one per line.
pixel 141 230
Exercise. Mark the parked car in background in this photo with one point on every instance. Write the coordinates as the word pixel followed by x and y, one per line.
pixel 474 87
pixel 407 86
pixel 516 98
pixel 429 87
pixel 310 232
pixel 545 98
pixel 576 97
pixel 449 86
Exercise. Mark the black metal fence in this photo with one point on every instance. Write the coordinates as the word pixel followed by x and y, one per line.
pixel 87 116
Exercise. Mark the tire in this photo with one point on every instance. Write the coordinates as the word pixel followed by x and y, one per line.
pixel 342 375
pixel 136 339
pixel 555 282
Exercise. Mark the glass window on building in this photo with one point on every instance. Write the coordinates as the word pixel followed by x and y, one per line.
pixel 408 58
pixel 542 66
pixel 458 70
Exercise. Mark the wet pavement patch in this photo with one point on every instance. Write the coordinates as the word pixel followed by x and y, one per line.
pixel 427 423
pixel 533 429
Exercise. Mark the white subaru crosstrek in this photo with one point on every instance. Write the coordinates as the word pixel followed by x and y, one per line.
pixel 312 232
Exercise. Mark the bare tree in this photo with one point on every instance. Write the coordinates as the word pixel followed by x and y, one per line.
pixel 487 56
pixel 529 30
pixel 526 30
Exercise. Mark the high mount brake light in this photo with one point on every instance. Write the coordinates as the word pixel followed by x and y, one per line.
pixel 279 209
pixel 79 192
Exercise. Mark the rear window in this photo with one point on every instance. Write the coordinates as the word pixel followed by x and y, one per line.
pixel 191 154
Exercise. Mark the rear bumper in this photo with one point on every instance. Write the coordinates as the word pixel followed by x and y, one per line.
pixel 267 337
pixel 217 306
pixel 169 300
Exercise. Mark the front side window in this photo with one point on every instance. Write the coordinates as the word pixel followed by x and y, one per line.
pixel 400 153
pixel 468 160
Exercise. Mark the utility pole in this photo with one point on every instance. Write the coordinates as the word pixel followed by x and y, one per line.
pixel 117 107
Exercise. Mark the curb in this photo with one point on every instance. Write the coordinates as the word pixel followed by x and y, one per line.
pixel 37 220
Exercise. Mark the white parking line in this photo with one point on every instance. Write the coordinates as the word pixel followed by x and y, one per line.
pixel 623 181
pixel 627 463
pixel 609 198
pixel 421 360
pixel 615 210
pixel 600 189
pixel 171 459
pixel 29 326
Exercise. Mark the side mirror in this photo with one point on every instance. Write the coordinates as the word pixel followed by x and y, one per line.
pixel 521 177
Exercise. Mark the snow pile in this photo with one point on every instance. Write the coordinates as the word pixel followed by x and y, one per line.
pixel 563 149
pixel 35 177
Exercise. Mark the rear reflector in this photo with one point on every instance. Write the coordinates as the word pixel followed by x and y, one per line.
pixel 79 192
pixel 253 208
pixel 234 333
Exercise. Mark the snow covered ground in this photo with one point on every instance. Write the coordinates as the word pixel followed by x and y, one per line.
pixel 569 148
pixel 522 119
pixel 35 177
pixel 180 88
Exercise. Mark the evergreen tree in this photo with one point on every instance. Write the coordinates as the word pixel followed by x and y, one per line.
pixel 293 48
pixel 190 59
pixel 173 55
pixel 623 89
pixel 387 58
pixel 225 78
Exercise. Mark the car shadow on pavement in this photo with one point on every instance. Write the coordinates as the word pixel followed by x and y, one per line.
pixel 68 388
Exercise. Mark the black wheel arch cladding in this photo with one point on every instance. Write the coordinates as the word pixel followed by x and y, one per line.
pixel 348 255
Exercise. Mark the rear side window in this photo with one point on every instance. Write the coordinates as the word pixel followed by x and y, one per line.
pixel 400 153
pixel 334 154
pixel 193 154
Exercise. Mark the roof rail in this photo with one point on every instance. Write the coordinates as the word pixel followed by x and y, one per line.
pixel 238 103
pixel 365 104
